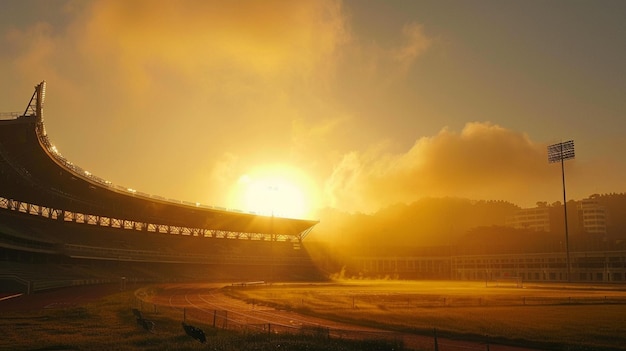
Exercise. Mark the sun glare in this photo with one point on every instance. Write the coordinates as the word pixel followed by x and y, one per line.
pixel 274 191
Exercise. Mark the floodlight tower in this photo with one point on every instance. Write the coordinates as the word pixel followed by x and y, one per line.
pixel 561 152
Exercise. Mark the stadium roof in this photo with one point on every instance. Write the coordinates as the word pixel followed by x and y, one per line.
pixel 33 172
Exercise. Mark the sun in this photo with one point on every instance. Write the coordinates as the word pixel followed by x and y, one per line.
pixel 279 191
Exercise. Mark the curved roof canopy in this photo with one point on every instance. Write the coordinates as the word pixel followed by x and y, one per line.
pixel 32 171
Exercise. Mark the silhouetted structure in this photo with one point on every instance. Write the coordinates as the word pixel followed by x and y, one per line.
pixel 137 313
pixel 88 230
pixel 559 153
pixel 194 332
pixel 146 324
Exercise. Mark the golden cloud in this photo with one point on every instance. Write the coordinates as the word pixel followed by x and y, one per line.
pixel 484 161
pixel 267 38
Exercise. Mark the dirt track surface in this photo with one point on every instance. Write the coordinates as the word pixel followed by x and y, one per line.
pixel 207 297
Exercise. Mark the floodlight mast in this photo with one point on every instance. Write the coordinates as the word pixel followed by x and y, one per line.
pixel 561 152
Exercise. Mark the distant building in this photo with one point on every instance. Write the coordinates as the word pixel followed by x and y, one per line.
pixel 536 219
pixel 593 216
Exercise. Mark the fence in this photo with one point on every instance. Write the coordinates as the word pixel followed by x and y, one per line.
pixel 418 301
pixel 217 319
pixel 29 286
pixel 8 115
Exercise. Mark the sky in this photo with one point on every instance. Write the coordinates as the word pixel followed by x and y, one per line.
pixel 291 106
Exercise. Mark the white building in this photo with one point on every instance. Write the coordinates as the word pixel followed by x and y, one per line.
pixel 593 216
pixel 536 218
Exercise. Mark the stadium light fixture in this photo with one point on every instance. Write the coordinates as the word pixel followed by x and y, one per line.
pixel 559 153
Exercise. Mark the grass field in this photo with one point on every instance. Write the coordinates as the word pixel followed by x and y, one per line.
pixel 549 316
pixel 109 324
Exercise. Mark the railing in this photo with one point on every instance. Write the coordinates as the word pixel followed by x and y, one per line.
pixel 35 284
pixel 40 285
pixel 9 115
pixel 85 251
pixel 102 221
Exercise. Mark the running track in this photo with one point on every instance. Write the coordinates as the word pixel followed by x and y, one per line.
pixel 207 298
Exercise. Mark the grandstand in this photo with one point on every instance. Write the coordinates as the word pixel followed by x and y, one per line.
pixel 61 225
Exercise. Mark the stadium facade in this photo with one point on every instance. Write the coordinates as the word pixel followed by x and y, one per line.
pixel 61 225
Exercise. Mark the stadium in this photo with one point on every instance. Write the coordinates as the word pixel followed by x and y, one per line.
pixel 63 226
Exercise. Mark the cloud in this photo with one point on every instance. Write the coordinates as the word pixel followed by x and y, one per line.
pixel 201 39
pixel 182 81
pixel 416 44
pixel 138 48
pixel 380 65
pixel 140 85
pixel 484 161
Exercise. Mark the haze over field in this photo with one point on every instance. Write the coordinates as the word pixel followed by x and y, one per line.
pixel 288 107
